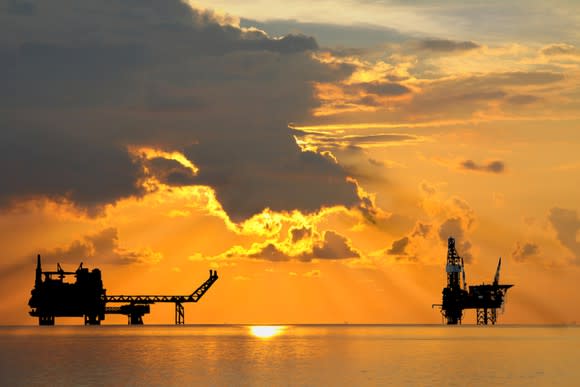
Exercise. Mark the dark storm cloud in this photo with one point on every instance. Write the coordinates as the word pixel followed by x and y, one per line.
pixel 18 7
pixel 567 224
pixel 65 167
pixel 83 80
pixel 170 171
pixel 288 44
pixel 495 166
pixel 445 46
pixel 522 253
pixel 304 180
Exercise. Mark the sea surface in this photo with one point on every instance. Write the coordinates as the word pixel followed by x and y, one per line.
pixel 293 355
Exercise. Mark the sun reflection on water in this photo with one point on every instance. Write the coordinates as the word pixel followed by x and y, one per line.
pixel 266 331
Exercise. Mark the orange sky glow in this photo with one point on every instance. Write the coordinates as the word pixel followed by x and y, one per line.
pixel 321 179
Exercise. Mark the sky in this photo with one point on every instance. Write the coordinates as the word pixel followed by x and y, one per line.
pixel 316 154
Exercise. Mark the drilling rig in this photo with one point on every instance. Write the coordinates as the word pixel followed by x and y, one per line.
pixel 53 297
pixel 486 299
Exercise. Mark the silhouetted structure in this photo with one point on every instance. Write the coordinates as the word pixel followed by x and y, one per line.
pixel 485 298
pixel 53 297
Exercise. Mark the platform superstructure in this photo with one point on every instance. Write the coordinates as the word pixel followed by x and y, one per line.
pixel 52 296
pixel 486 299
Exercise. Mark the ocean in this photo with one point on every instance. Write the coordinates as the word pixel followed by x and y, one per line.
pixel 292 355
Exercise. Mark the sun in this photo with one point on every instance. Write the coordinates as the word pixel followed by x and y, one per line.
pixel 266 331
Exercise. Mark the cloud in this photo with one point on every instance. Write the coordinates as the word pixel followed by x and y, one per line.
pixel 11 270
pixel 300 233
pixel 445 45
pixel 164 75
pixel 422 230
pixel 427 188
pixel 495 166
pixel 560 49
pixel 103 246
pixel 464 95
pixel 329 246
pixel 65 167
pixel 523 253
pixel 376 163
pixel 483 95
pixel 567 225
pixel 18 7
pixel 170 172
pixel 340 37
pixel 383 88
pixel 523 99
pixel 398 247
pixel 337 142
pixel 334 246
pixel 520 78
pixel 270 252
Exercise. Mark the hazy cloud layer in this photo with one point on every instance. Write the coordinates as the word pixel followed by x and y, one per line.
pixel 523 252
pixel 561 49
pixel 81 83
pixel 567 225
pixel 105 246
pixel 523 99
pixel 331 35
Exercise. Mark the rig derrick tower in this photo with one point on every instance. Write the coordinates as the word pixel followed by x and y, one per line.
pixel 453 294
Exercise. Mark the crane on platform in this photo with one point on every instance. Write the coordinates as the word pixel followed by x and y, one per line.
pixel 139 305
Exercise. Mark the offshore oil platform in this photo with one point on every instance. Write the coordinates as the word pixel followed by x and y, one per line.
pixel 52 297
pixel 486 299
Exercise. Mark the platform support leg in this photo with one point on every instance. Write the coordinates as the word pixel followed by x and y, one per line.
pixel 92 320
pixel 45 320
pixel 486 316
pixel 179 314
